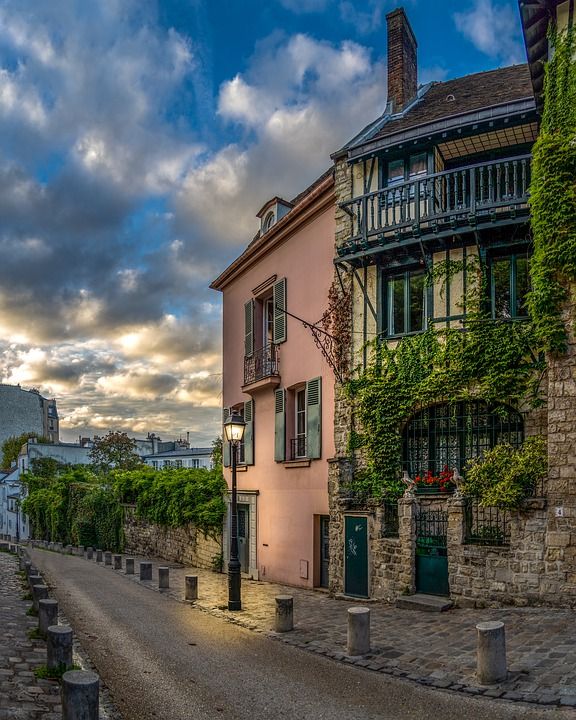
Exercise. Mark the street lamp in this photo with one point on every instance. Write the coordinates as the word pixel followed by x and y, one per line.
pixel 234 428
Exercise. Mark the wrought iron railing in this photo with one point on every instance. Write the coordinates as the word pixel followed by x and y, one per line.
pixel 261 364
pixel 298 447
pixel 485 525
pixel 390 519
pixel 473 193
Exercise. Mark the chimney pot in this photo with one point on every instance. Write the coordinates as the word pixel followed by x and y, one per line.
pixel 402 61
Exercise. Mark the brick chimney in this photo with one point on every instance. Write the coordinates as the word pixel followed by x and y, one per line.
pixel 402 61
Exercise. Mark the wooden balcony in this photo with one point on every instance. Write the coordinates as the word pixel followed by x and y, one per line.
pixel 431 206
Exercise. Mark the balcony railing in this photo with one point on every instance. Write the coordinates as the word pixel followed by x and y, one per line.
pixel 261 364
pixel 298 447
pixel 428 204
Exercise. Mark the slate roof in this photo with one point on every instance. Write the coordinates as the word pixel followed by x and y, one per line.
pixel 443 100
pixel 182 452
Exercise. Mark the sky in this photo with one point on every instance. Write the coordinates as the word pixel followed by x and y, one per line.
pixel 138 140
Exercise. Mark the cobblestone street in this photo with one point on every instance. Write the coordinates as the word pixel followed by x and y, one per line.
pixel 429 648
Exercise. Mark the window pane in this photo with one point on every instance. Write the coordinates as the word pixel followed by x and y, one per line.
pixel 501 284
pixel 522 286
pixel 416 302
pixel 396 301
pixel 395 171
pixel 418 164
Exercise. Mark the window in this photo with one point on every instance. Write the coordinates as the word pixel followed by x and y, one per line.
pixel 178 463
pixel 395 172
pixel 509 287
pixel 449 435
pixel 155 464
pixel 195 463
pixel 267 322
pixel 268 221
pixel 405 303
pixel 418 165
pixel 299 442
pixel 167 463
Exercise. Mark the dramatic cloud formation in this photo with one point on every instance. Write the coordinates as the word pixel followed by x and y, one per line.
pixel 116 215
pixel 493 29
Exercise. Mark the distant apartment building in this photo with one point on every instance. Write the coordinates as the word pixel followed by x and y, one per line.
pixel 181 457
pixel 23 411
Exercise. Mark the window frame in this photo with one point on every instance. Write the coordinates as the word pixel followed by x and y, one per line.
pixel 512 258
pixel 388 306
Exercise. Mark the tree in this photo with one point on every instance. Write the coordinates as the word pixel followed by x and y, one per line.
pixel 217 453
pixel 115 450
pixel 12 445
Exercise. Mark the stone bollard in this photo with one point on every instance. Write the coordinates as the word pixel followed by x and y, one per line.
pixel 35 580
pixel 47 615
pixel 191 587
pixel 80 695
pixel 145 571
pixel 21 562
pixel 284 613
pixel 117 562
pixel 129 566
pixel 27 567
pixel 358 631
pixel 163 578
pixel 39 592
pixel 98 555
pixel 59 647
pixel 491 653
pixel 89 553
pixel 107 558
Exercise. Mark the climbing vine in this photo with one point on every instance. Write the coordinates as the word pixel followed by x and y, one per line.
pixel 496 361
pixel 553 195
pixel 336 322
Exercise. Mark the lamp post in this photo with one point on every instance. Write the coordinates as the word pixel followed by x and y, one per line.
pixel 18 521
pixel 234 428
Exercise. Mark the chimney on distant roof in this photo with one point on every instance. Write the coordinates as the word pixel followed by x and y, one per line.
pixel 402 61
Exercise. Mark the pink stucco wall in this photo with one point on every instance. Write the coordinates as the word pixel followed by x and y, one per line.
pixel 289 497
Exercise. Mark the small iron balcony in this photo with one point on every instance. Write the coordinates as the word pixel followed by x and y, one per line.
pixel 261 364
pixel 439 204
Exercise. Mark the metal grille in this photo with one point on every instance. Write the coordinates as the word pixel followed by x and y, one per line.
pixel 486 525
pixel 298 447
pixel 390 519
pixel 449 435
pixel 261 364
pixel 431 528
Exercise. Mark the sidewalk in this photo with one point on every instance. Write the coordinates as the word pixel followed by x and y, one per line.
pixel 433 649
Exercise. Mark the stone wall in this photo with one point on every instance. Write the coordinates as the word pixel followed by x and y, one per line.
pixel 184 545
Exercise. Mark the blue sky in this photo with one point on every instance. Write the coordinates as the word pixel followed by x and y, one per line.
pixel 138 138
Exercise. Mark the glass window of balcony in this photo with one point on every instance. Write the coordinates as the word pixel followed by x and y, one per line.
pixel 509 287
pixel 406 303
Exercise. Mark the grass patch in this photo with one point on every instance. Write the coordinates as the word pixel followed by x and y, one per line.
pixel 27 596
pixel 32 612
pixel 34 634
pixel 6 550
pixel 44 673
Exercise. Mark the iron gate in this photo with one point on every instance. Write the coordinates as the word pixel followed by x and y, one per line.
pixel 431 552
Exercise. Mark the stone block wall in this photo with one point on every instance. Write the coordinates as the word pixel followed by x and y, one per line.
pixel 184 545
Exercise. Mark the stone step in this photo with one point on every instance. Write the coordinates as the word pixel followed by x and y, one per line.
pixel 425 603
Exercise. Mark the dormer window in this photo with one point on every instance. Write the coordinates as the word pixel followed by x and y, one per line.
pixel 268 221
pixel 273 212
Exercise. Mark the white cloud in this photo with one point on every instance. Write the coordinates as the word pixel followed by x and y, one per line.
pixel 493 29
pixel 305 6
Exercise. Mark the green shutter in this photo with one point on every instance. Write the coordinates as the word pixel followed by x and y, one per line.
pixel 249 328
pixel 280 425
pixel 279 297
pixel 249 432
pixel 314 418
pixel 225 443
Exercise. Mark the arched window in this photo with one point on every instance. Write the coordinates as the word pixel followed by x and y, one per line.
pixel 268 221
pixel 451 434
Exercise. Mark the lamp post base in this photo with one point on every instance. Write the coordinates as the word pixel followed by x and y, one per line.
pixel 234 579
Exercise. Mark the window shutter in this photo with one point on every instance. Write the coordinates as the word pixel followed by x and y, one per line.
pixel 249 328
pixel 225 443
pixel 314 418
pixel 279 298
pixel 249 432
pixel 280 425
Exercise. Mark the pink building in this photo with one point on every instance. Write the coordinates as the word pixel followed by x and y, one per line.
pixel 283 385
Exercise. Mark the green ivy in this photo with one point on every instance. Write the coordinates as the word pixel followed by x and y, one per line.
pixel 553 196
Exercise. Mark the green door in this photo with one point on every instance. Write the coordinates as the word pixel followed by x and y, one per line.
pixel 356 556
pixel 431 552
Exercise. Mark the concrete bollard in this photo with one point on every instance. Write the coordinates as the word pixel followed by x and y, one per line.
pixel 163 578
pixel 80 695
pixel 27 567
pixel 47 615
pixel 145 571
pixel 59 647
pixel 284 613
pixel 107 558
pixel 491 653
pixel 129 566
pixel 39 592
pixel 191 587
pixel 358 631
pixel 89 553
pixel 21 562
pixel 117 562
pixel 98 555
